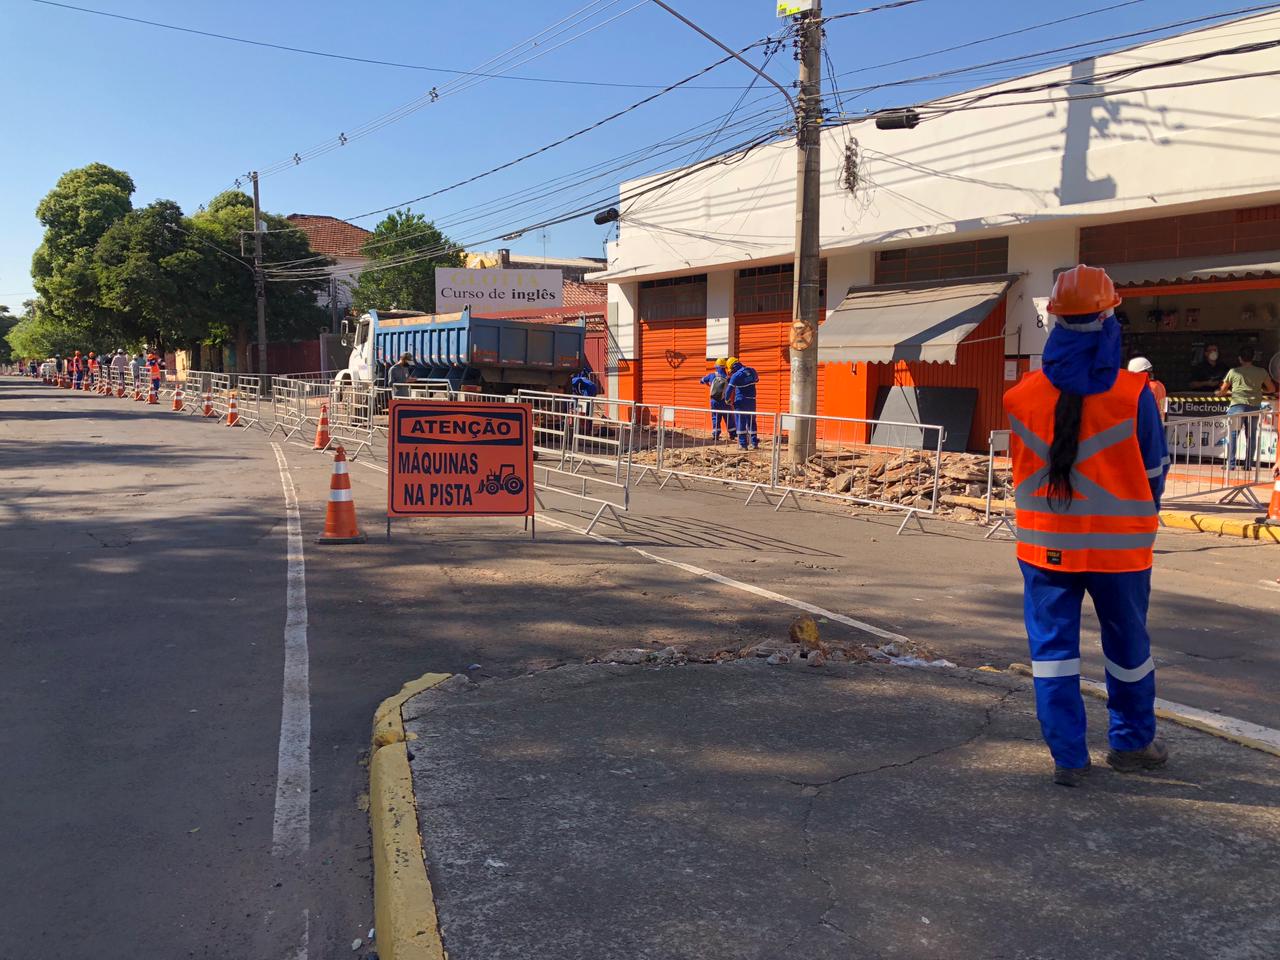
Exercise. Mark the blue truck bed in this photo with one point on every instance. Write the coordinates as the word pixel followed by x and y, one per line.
pixel 467 349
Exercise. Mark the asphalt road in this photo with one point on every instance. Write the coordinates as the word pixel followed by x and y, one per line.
pixel 143 593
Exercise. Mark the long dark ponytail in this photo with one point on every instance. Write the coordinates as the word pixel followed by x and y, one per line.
pixel 1066 445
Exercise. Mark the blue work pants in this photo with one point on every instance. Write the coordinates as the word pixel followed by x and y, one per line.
pixel 746 417
pixel 722 413
pixel 1052 602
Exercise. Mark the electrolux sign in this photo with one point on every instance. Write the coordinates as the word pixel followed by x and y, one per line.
pixel 497 289
pixel 459 459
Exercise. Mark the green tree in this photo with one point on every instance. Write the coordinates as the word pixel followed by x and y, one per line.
pixel 40 334
pixel 411 286
pixel 227 302
pixel 7 322
pixel 149 274
pixel 76 214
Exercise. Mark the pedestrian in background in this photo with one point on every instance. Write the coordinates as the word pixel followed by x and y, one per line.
pixel 742 396
pixel 1246 385
pixel 1143 365
pixel 135 370
pixel 77 370
pixel 1089 462
pixel 119 363
pixel 400 375
pixel 717 384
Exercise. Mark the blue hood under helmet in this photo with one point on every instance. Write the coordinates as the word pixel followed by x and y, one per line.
pixel 1083 354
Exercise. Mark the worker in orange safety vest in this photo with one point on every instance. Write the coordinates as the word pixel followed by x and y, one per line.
pixel 1089 462
pixel 155 371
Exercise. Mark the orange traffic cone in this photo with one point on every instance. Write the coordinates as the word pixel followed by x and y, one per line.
pixel 1273 511
pixel 153 395
pixel 137 391
pixel 178 398
pixel 233 415
pixel 340 514
pixel 322 430
pixel 120 391
pixel 208 410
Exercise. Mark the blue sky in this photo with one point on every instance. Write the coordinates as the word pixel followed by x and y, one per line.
pixel 186 115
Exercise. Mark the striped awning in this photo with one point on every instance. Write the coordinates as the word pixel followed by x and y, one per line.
pixel 924 321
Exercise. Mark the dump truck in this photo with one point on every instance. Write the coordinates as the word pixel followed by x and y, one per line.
pixel 472 352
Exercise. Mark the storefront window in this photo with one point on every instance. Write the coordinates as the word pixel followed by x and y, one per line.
pixel 673 298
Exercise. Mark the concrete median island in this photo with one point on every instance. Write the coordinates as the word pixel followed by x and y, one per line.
pixel 746 811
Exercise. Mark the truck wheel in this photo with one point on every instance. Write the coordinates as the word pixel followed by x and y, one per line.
pixel 513 485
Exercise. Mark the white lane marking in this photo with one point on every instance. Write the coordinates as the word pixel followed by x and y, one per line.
pixel 718 578
pixel 305 945
pixel 291 828
pixel 736 584
pixel 1230 727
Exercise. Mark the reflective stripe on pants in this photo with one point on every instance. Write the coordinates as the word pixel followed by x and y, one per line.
pixel 1052 602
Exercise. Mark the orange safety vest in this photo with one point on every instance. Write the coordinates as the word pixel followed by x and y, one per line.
pixel 153 369
pixel 1110 525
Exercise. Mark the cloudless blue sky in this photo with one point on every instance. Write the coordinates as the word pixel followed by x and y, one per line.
pixel 185 115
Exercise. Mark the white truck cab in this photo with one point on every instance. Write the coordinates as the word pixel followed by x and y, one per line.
pixel 360 368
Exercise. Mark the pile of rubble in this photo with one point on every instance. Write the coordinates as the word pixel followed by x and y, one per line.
pixel 804 645
pixel 904 478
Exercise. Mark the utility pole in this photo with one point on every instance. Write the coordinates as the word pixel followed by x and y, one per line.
pixel 806 297
pixel 259 282
pixel 806 293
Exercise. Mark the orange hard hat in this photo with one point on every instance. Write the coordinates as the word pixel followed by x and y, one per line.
pixel 1083 290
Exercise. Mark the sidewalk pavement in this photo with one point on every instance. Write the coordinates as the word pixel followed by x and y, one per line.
pixel 746 811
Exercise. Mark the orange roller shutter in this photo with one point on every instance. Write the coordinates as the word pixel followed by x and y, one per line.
pixel 763 344
pixel 673 358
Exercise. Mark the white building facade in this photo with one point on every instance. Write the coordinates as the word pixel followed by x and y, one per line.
pixel 1167 176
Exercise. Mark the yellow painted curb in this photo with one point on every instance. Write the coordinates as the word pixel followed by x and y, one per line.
pixel 1223 525
pixel 1225 728
pixel 404 908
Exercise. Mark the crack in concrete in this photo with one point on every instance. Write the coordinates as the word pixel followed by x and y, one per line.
pixel 814 790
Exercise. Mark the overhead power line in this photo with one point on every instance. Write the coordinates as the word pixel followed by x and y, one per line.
pixel 372 61
pixel 560 142
pixel 734 155
pixel 959 71
pixel 876 9
pixel 991 39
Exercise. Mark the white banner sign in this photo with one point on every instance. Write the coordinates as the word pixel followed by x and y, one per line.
pixel 787 8
pixel 497 289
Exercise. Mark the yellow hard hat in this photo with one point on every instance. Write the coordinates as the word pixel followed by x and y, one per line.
pixel 731 362
pixel 722 362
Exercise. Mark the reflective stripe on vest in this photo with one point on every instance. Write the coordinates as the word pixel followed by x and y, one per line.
pixel 1110 525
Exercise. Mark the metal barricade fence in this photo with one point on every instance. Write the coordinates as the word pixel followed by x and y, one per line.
pixel 351 414
pixel 688 447
pixel 999 482
pixel 248 390
pixel 1223 455
pixel 878 463
pixel 286 407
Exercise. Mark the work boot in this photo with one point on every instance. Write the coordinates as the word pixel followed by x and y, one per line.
pixel 1151 757
pixel 1071 776
pixel 715 438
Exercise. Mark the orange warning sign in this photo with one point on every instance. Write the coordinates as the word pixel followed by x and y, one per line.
pixel 459 459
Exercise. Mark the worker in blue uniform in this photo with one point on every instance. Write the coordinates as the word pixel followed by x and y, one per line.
pixel 742 386
pixel 717 382
pixel 1089 463
pixel 583 384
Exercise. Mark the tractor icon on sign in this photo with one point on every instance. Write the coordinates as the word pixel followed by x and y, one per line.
pixel 504 478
